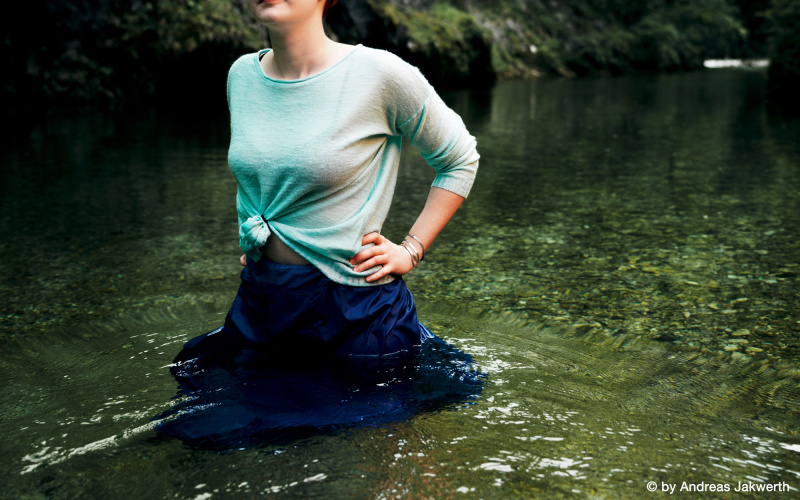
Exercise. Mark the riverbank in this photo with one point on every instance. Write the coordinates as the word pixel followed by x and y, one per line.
pixel 106 53
pixel 456 40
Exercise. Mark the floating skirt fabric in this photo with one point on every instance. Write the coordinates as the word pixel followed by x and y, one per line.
pixel 300 354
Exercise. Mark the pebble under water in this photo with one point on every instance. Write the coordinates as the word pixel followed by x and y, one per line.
pixel 619 294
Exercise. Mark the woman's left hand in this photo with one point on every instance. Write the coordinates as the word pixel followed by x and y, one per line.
pixel 394 258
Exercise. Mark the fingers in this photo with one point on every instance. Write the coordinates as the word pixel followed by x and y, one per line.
pixel 372 256
pixel 243 260
pixel 380 273
pixel 360 258
pixel 390 258
pixel 373 237
pixel 396 261
pixel 384 271
pixel 369 264
pixel 378 248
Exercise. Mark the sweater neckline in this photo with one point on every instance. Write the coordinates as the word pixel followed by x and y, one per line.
pixel 260 70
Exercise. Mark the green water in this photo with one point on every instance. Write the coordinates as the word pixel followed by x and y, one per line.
pixel 625 270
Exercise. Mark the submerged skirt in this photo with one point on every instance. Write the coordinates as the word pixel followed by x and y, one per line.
pixel 300 354
pixel 297 309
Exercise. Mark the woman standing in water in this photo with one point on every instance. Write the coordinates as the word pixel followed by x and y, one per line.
pixel 316 128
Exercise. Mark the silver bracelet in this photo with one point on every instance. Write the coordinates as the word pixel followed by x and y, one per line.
pixel 420 245
pixel 412 247
pixel 411 251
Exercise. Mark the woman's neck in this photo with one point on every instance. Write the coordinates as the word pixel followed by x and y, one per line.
pixel 300 52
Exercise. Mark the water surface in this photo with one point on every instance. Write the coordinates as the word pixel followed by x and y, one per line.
pixel 625 272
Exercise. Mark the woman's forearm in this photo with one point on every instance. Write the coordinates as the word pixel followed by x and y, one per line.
pixel 439 209
pixel 393 258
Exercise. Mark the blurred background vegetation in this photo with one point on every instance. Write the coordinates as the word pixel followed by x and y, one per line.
pixel 105 52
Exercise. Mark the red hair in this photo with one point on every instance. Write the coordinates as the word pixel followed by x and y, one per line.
pixel 328 5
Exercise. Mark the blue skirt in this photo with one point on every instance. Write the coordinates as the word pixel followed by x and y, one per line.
pixel 298 310
pixel 299 354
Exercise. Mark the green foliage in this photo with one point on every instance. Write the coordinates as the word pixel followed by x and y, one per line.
pixel 681 34
pixel 183 26
pixel 441 35
pixel 784 71
pixel 754 14
pixel 89 49
pixel 85 49
pixel 614 36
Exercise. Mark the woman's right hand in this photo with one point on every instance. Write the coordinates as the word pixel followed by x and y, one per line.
pixel 392 259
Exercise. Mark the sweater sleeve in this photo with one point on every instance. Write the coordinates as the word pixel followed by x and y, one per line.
pixel 438 132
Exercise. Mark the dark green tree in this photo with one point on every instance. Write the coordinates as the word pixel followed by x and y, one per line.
pixel 83 50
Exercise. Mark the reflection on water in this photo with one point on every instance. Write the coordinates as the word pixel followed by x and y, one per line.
pixel 660 207
pixel 625 271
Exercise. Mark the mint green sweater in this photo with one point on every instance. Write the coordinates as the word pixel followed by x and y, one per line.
pixel 316 159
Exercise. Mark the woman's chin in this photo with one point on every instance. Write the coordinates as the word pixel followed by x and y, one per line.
pixel 275 13
pixel 262 7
